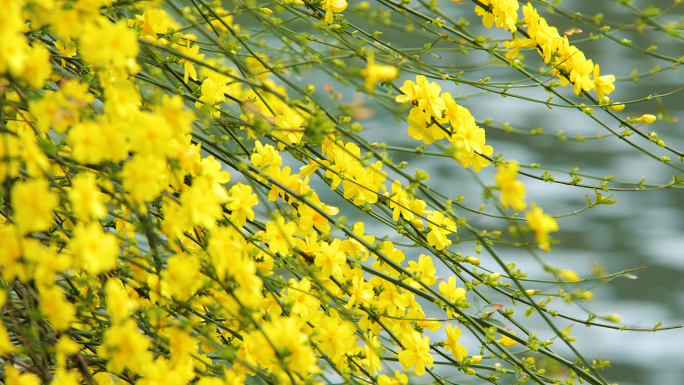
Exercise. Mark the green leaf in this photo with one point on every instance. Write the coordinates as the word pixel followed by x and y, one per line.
pixel 476 303
pixel 498 323
pixel 492 307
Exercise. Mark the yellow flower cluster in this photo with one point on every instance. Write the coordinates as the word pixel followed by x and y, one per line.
pixel 128 252
pixel 436 117
pixel 567 61
pixel 135 246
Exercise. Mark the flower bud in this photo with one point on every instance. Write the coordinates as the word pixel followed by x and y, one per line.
pixel 613 318
pixel 617 107
pixel 530 292
pixel 473 261
pixel 470 372
pixel 298 3
pixel 660 143
pixel 495 277
pixel 265 11
pixel 475 359
pixel 569 275
pixel 586 295
pixel 647 118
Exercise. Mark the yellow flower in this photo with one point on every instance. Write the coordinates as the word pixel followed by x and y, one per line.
pixel 332 334
pixel 153 22
pixel 359 292
pixel 330 259
pixel 580 69
pixel 144 177
pixel 376 72
pixel 109 44
pixel 440 226
pixel 391 297
pixel 241 202
pixel 33 203
pixel 474 159
pixel 429 99
pixel 512 190
pixel 193 55
pixel 410 92
pixel 87 142
pixel 515 45
pixel 361 186
pixel 36 67
pixel 424 270
pixel 331 6
pixel 94 249
pixel 456 114
pixel 305 303
pixel 468 138
pixel 56 309
pixel 542 224
pixel 506 341
pixel 603 84
pixel 279 236
pixel 487 17
pixel 452 293
pixel 201 203
pixel 289 128
pixel 265 157
pixel 400 202
pixel 182 276
pixel 66 48
pixel 421 128
pixel 309 218
pixel 13 377
pixel 6 346
pixel 86 198
pixel 213 94
pixel 354 248
pixel 505 14
pixel 398 379
pixel 119 303
pixel 124 347
pixel 453 335
pixel 416 353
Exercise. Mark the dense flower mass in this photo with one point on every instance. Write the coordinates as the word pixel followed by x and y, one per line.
pixel 157 228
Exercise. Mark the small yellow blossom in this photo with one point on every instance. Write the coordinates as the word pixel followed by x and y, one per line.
pixel 33 204
pixel 191 55
pixel 376 72
pixel 506 341
pixel 421 128
pixel 451 343
pixel 279 236
pixel 440 226
pixel 416 353
pixel 542 224
pixel 512 190
pixel 331 6
pixel 289 129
